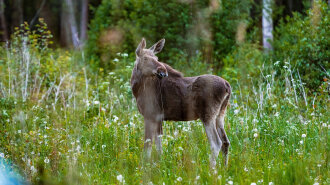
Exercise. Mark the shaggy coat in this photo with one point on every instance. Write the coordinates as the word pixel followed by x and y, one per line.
pixel 163 93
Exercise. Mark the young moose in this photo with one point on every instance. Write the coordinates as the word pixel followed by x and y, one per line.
pixel 162 93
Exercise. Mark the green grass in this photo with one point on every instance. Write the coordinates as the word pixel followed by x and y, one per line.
pixel 61 123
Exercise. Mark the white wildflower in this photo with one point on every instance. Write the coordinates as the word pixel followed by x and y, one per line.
pixel 253 183
pixel 255 135
pixel 270 183
pixel 2 155
pixel 19 131
pixel 33 169
pixel 236 111
pixel 301 142
pixel 46 160
pixel 124 55
pixel 324 125
pixel 316 183
pixel 103 146
pixel 179 179
pixel 230 182
pixel 115 118
pixel 96 102
pixel 319 165
pixel 115 60
pixel 198 177
pixel 277 114
pixel 303 135
pixel 120 178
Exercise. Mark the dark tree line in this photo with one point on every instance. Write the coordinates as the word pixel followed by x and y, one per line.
pixel 68 19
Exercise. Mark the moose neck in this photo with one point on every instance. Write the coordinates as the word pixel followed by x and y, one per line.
pixel 144 85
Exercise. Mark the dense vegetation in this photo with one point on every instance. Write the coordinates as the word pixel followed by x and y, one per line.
pixel 67 119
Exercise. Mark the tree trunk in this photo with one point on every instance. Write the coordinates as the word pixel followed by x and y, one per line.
pixel 17 13
pixel 267 25
pixel 3 25
pixel 84 21
pixel 72 23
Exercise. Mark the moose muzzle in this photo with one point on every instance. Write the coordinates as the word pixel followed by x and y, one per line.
pixel 162 72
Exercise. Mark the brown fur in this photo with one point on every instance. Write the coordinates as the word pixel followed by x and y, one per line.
pixel 179 98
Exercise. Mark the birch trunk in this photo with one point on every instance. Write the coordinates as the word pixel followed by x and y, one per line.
pixel 72 24
pixel 267 25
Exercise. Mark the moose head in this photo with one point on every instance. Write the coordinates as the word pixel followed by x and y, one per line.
pixel 147 61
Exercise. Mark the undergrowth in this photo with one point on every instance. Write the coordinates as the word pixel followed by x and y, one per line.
pixel 61 123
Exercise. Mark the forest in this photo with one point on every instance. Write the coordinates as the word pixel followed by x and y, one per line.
pixel 68 114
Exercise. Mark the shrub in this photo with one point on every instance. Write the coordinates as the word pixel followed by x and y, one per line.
pixel 305 42
pixel 202 26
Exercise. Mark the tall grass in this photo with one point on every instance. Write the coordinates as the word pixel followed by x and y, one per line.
pixel 62 123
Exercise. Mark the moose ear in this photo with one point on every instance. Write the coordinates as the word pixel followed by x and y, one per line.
pixel 156 48
pixel 140 47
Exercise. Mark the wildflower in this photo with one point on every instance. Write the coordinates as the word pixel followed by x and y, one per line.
pixel 103 146
pixel 303 135
pixel 179 179
pixel 270 183
pixel 255 135
pixel 115 118
pixel 253 183
pixel 197 177
pixel 19 131
pixel 96 102
pixel 236 111
pixel 33 169
pixel 46 160
pixel 324 125
pixel 301 142
pixel 230 182
pixel 120 178
pixel 2 155
pixel 115 60
pixel 316 183
pixel 124 55
pixel 277 114
pixel 319 165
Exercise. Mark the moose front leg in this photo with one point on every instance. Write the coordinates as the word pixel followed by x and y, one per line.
pixel 158 137
pixel 153 131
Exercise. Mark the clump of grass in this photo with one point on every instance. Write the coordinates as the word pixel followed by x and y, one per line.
pixel 62 123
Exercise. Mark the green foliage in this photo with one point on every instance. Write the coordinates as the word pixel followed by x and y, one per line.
pixel 304 41
pixel 208 27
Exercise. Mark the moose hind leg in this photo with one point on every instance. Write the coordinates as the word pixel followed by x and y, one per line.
pixel 223 137
pixel 214 139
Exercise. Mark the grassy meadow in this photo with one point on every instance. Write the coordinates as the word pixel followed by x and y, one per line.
pixel 63 123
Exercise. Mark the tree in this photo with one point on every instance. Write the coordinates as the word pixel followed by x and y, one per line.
pixel 3 24
pixel 267 25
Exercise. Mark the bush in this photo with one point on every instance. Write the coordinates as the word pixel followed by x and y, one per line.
pixel 188 27
pixel 304 42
